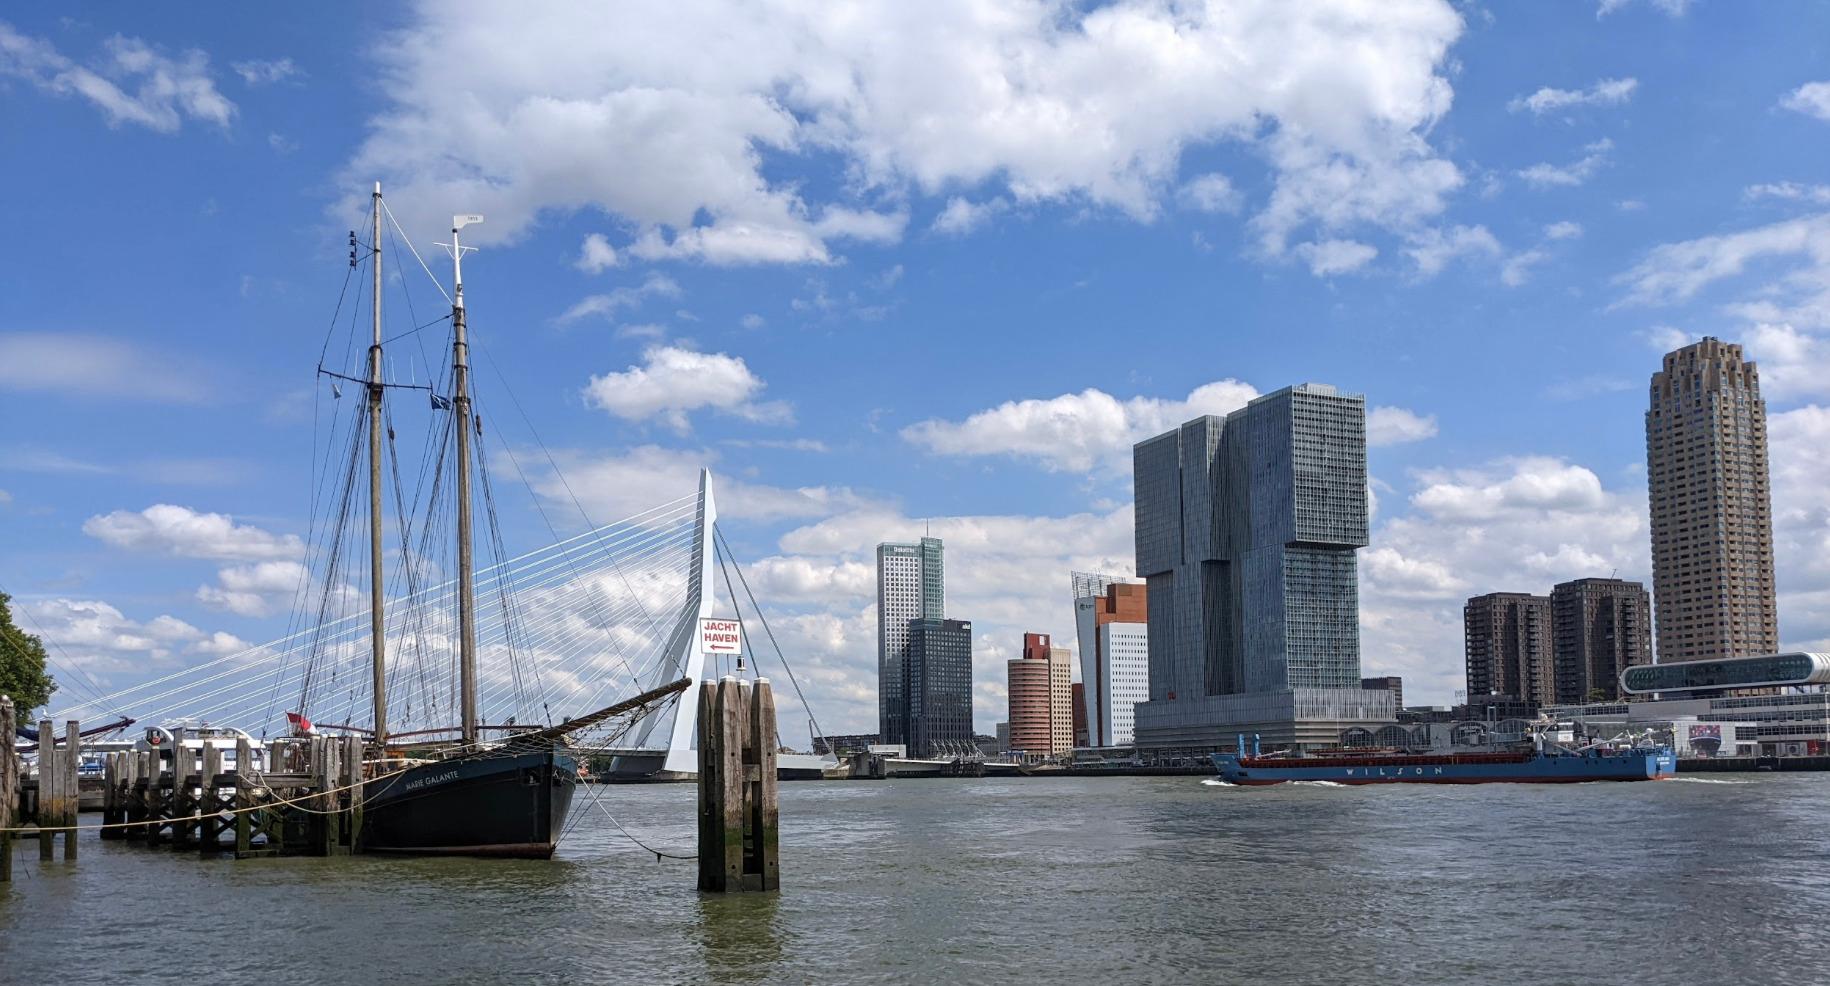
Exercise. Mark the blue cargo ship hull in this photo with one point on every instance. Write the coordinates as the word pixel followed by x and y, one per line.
pixel 1533 768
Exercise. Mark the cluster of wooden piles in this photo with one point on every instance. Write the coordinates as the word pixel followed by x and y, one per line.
pixel 307 802
pixel 739 816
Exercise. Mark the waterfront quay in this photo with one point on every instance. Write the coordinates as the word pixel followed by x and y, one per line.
pixel 1052 879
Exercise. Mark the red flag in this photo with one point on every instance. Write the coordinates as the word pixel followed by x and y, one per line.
pixel 300 724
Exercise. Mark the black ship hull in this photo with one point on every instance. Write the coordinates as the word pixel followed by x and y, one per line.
pixel 507 802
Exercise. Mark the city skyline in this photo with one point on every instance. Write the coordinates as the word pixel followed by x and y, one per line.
pixel 864 336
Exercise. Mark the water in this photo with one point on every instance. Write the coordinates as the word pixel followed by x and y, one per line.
pixel 1063 880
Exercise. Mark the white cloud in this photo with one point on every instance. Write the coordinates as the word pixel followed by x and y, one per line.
pixel 1074 432
pixel 1520 524
pixel 1397 426
pixel 1674 272
pixel 672 381
pixel 1811 99
pixel 164 528
pixel 1546 175
pixel 596 255
pixel 1330 257
pixel 609 303
pixel 615 486
pixel 5 498
pixel 1432 249
pixel 665 117
pixel 1564 230
pixel 1671 8
pixel 253 590
pixel 752 321
pixel 1212 192
pixel 166 90
pixel 102 641
pixel 1790 191
pixel 1607 92
pixel 256 72
pixel 1667 338
pixel 83 365
pixel 1517 268
pixel 961 216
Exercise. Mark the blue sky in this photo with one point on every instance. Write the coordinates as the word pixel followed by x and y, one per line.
pixel 886 265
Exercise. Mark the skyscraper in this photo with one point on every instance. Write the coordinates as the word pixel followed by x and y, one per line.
pixel 910 586
pixel 1247 528
pixel 1599 628
pixel 1111 617
pixel 938 682
pixel 1039 685
pixel 1509 647
pixel 1712 524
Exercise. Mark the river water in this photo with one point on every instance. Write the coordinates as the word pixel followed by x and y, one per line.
pixel 1059 880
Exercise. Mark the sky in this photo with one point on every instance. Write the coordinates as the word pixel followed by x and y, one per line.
pixel 888 268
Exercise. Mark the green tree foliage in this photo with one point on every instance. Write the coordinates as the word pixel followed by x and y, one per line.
pixel 22 657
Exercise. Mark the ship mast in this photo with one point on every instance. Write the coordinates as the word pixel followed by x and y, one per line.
pixel 376 624
pixel 460 400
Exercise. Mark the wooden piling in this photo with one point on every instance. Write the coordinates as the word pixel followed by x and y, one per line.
pixel 9 788
pixel 70 785
pixel 47 791
pixel 761 865
pixel 738 816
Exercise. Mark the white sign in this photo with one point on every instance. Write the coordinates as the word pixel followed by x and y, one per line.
pixel 720 637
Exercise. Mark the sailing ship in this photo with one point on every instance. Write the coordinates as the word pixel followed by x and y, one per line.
pixel 452 790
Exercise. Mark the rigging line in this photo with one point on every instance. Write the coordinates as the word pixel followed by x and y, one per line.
pixel 541 509
pixel 417 329
pixel 719 534
pixel 409 242
pixel 407 293
pixel 658 854
pixel 476 341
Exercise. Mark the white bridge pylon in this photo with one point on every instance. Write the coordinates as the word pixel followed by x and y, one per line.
pixel 683 657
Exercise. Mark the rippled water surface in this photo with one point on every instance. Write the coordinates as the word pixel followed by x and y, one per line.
pixel 1069 880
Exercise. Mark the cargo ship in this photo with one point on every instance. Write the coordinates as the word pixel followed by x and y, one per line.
pixel 1537 762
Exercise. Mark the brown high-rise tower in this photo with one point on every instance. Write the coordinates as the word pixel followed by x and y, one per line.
pixel 1712 515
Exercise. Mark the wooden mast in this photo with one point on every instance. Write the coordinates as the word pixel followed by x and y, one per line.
pixel 377 626
pixel 460 399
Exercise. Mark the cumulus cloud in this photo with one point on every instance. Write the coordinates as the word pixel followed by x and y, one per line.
pixel 165 91
pixel 1811 99
pixel 1397 426
pixel 1212 192
pixel 612 486
pixel 1671 8
pixel 608 304
pixel 258 72
pixel 1432 249
pixel 1607 92
pixel 596 255
pixel 96 367
pixel 1546 175
pixel 1521 524
pixel 1790 191
pixel 664 116
pixel 1330 257
pixel 1564 230
pixel 165 528
pixel 671 382
pixel 253 590
pixel 99 639
pixel 1676 272
pixel 961 216
pixel 1517 268
pixel 1074 432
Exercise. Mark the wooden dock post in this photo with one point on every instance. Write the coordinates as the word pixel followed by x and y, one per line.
pixel 47 791
pixel 9 788
pixel 738 816
pixel 762 845
pixel 69 785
